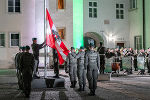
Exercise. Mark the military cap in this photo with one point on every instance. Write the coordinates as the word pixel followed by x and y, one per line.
pixel 92 45
pixel 72 48
pixel 27 47
pixel 20 47
pixel 23 48
pixel 34 39
pixel 81 47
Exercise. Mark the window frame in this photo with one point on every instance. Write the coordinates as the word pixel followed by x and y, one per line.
pixel 93 7
pixel 14 7
pixel 132 4
pixel 4 40
pixel 60 9
pixel 10 38
pixel 119 9
pixel 58 28
pixel 136 45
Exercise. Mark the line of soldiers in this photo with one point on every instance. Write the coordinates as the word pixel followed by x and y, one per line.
pixel 81 64
pixel 24 62
pixel 27 65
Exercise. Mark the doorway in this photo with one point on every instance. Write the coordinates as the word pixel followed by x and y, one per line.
pixel 120 45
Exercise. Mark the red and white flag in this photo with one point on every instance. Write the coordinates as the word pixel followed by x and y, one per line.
pixel 53 39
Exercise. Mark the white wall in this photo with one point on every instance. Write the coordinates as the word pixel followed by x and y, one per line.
pixel 63 18
pixel 23 23
pixel 107 11
pixel 136 22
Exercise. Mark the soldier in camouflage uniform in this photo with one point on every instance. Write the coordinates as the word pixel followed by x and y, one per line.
pixel 92 63
pixel 35 48
pixel 148 65
pixel 72 64
pixel 81 69
pixel 27 65
pixel 17 64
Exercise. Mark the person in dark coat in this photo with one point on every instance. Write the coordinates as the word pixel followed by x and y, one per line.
pixel 101 50
pixel 27 65
pixel 35 48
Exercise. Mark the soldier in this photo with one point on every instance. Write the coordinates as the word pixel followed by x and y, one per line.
pixel 102 52
pixel 81 69
pixel 35 48
pixel 148 65
pixel 17 64
pixel 72 64
pixel 56 66
pixel 27 65
pixel 92 64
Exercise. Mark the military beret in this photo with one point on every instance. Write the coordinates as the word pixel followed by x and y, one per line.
pixel 23 48
pixel 72 48
pixel 92 45
pixel 81 47
pixel 20 47
pixel 34 39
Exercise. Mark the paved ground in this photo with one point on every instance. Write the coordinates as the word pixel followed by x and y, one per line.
pixel 131 87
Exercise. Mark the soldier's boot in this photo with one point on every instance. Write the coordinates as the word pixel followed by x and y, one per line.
pixel 72 84
pixel 83 88
pixel 80 88
pixel 91 92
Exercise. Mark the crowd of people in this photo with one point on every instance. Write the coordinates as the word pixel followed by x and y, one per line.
pixel 82 64
pixel 118 54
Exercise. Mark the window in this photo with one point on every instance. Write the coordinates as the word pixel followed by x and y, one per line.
pixel 93 9
pixel 133 4
pixel 14 39
pixel 2 40
pixel 60 4
pixel 61 32
pixel 138 42
pixel 119 11
pixel 14 6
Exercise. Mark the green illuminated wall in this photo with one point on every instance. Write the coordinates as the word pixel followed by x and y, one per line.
pixel 77 23
pixel 147 23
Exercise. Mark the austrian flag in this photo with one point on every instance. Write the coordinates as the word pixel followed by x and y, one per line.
pixel 54 41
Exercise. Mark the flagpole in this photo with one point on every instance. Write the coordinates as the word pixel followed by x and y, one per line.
pixel 45 49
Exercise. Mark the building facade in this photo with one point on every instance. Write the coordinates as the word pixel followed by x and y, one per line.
pixel 110 21
pixel 17 27
pixel 139 24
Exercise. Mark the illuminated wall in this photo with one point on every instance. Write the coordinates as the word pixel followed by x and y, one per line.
pixel 147 23
pixel 77 23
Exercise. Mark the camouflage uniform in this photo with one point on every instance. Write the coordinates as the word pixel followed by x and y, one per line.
pixel 81 70
pixel 72 64
pixel 148 62
pixel 27 64
pixel 92 63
